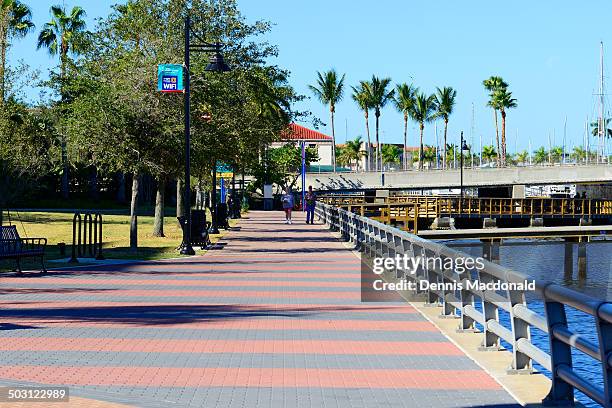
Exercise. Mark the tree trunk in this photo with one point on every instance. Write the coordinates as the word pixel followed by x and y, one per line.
pixel 445 132
pixel 503 138
pixel 3 46
pixel 121 187
pixel 134 213
pixel 331 110
pixel 369 147
pixel 180 205
pixel 422 127
pixel 158 222
pixel 497 135
pixel 378 163
pixel 64 182
pixel 93 182
pixel 405 153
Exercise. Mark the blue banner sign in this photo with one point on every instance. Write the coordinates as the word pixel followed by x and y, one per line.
pixel 170 78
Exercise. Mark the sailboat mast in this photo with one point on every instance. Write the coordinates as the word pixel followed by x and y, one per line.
pixel 602 125
pixel 472 136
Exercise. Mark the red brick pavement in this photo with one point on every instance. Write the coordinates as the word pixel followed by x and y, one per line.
pixel 276 310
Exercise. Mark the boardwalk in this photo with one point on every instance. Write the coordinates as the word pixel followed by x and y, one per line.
pixel 270 318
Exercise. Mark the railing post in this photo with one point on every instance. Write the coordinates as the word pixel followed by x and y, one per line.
pixel 521 363
pixel 604 334
pixel 560 354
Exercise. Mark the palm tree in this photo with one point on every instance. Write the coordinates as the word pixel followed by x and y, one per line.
pixel 16 22
pixel 424 111
pixel 390 154
pixel 579 154
pixel 522 157
pixel 352 151
pixel 329 90
pixel 429 155
pixel 556 153
pixel 540 155
pixel 404 102
pixel 62 35
pixel 445 102
pixel 380 96
pixel 489 153
pixel 493 84
pixel 362 97
pixel 503 100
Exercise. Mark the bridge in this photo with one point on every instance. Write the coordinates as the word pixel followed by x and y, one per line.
pixel 479 177
pixel 272 316
pixel 412 212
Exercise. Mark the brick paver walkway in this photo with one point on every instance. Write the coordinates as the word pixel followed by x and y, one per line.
pixel 270 319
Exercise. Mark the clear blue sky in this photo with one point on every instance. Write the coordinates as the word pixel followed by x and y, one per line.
pixel 547 51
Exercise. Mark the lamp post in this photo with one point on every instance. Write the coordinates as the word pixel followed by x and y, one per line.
pixel 464 147
pixel 217 64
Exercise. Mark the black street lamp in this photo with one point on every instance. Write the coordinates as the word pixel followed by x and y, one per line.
pixel 217 64
pixel 464 147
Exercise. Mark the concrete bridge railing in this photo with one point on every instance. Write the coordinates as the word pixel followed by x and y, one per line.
pixel 479 310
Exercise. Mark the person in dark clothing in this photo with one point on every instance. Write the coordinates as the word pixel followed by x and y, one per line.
pixel 311 202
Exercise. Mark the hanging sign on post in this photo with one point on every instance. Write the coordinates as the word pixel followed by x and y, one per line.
pixel 170 78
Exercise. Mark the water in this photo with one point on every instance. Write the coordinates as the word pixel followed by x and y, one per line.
pixel 545 261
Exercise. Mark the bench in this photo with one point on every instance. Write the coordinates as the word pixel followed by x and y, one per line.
pixel 222 216
pixel 199 228
pixel 12 246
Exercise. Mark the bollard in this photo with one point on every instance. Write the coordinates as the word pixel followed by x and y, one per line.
pixel 62 248
pixel 76 245
pixel 582 261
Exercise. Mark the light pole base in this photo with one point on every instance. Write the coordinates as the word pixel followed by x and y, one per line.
pixel 214 230
pixel 187 250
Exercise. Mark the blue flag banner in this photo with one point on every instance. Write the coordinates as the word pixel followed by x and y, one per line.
pixel 170 78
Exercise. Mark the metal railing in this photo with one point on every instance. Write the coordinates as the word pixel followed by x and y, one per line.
pixel 474 307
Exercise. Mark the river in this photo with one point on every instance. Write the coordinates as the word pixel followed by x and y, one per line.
pixel 545 261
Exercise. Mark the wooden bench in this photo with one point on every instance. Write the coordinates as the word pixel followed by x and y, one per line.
pixel 12 246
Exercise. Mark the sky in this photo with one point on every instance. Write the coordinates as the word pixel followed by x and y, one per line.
pixel 548 51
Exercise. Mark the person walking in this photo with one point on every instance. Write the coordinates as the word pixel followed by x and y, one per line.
pixel 288 203
pixel 311 203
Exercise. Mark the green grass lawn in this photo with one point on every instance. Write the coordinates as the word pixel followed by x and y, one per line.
pixel 57 227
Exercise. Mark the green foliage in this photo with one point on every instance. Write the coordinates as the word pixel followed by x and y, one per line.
pixel 540 155
pixel 281 166
pixel 489 153
pixel 329 89
pixel 390 154
pixel 445 100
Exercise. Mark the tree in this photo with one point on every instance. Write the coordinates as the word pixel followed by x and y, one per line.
pixel 489 153
pixel 329 90
pixel 493 84
pixel 362 98
pixel 522 157
pixel 380 96
pixel 424 112
pixel 579 154
pixel 404 102
pixel 281 166
pixel 445 103
pixel 503 100
pixel 540 155
pixel 352 153
pixel 63 35
pixel 390 154
pixel 16 22
pixel 556 154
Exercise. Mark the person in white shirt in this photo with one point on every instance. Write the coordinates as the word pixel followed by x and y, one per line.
pixel 288 202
